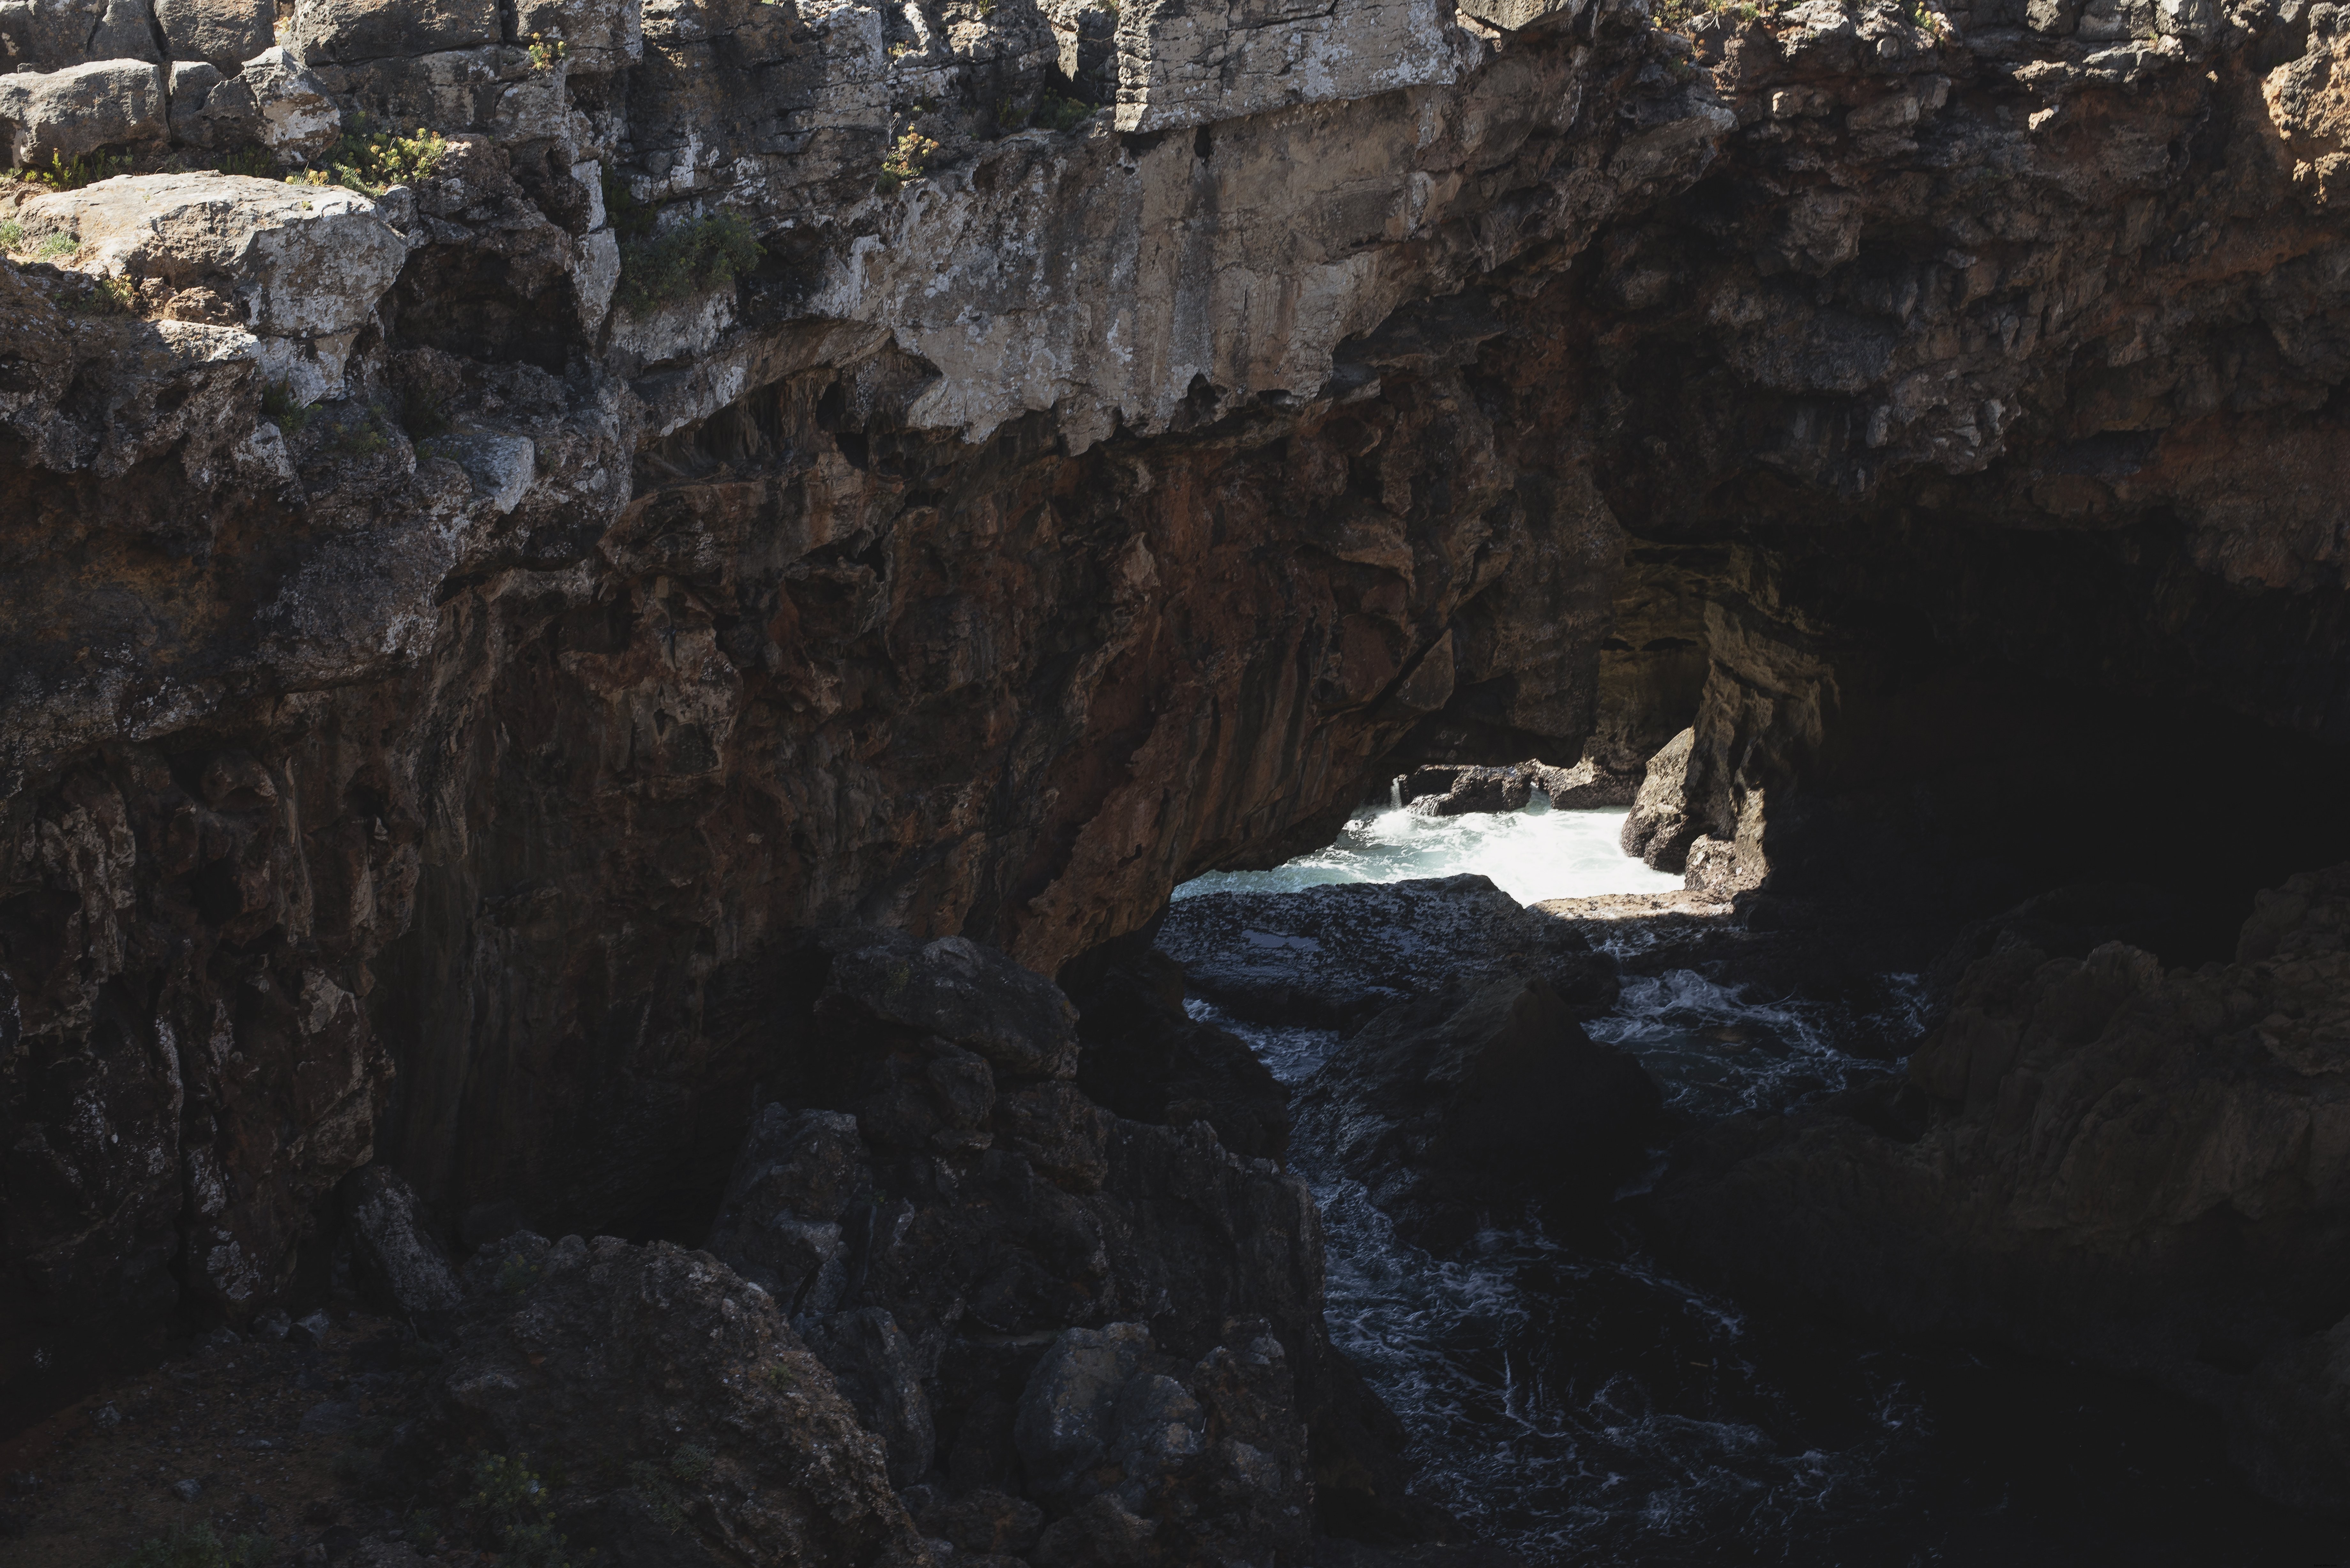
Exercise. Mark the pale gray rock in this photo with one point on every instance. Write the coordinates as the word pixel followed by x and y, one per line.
pixel 1521 15
pixel 224 33
pixel 65 113
pixel 400 1257
pixel 1184 63
pixel 273 102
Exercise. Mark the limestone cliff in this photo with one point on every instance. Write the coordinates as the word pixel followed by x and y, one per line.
pixel 462 637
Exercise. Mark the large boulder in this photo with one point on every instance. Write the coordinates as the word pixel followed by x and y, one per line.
pixel 400 1261
pixel 50 35
pixel 1155 1460
pixel 249 268
pixel 947 1207
pixel 66 113
pixel 1661 827
pixel 1451 1109
pixel 338 32
pixel 686 1421
pixel 272 103
pixel 223 33
pixel 1331 957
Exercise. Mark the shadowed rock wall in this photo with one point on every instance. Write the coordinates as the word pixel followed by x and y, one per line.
pixel 438 692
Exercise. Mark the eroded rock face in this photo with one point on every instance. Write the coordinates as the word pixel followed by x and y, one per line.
pixel 1000 549
pixel 610 1364
pixel 1021 1294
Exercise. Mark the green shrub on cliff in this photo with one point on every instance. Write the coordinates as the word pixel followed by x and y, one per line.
pixel 686 260
pixel 372 162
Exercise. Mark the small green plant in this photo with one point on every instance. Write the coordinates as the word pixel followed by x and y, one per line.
pixel 424 1529
pixel 72 173
pixel 898 51
pixel 197 1547
pixel 629 218
pixel 781 1377
pixel 544 52
pixel 118 294
pixel 689 1464
pixel 279 403
pixel 517 1274
pixel 904 163
pixel 685 260
pixel 252 162
pixel 372 162
pixel 57 248
pixel 511 1502
pixel 12 235
pixel 1058 113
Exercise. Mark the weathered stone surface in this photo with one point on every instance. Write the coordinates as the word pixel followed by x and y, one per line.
pixel 338 32
pixel 1333 956
pixel 1182 63
pixel 52 34
pixel 1659 829
pixel 272 103
pixel 221 33
pixel 593 1357
pixel 1517 15
pixel 63 114
pixel 400 1259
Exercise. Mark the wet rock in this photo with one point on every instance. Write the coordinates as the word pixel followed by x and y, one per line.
pixel 329 1418
pixel 398 1256
pixel 1450 1108
pixel 64 114
pixel 1660 828
pixel 187 1490
pixel 880 1373
pixel 982 1521
pixel 1426 791
pixel 1333 956
pixel 596 1357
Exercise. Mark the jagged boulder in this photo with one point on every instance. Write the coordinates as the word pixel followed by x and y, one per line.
pixel 221 33
pixel 1333 956
pixel 1660 828
pixel 81 108
pixel 338 32
pixel 689 1421
pixel 271 102
pixel 400 1260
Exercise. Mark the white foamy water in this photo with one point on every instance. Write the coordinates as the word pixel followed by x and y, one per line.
pixel 1534 854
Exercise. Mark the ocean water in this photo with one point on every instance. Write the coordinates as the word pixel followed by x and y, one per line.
pixel 1530 854
pixel 1584 1406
